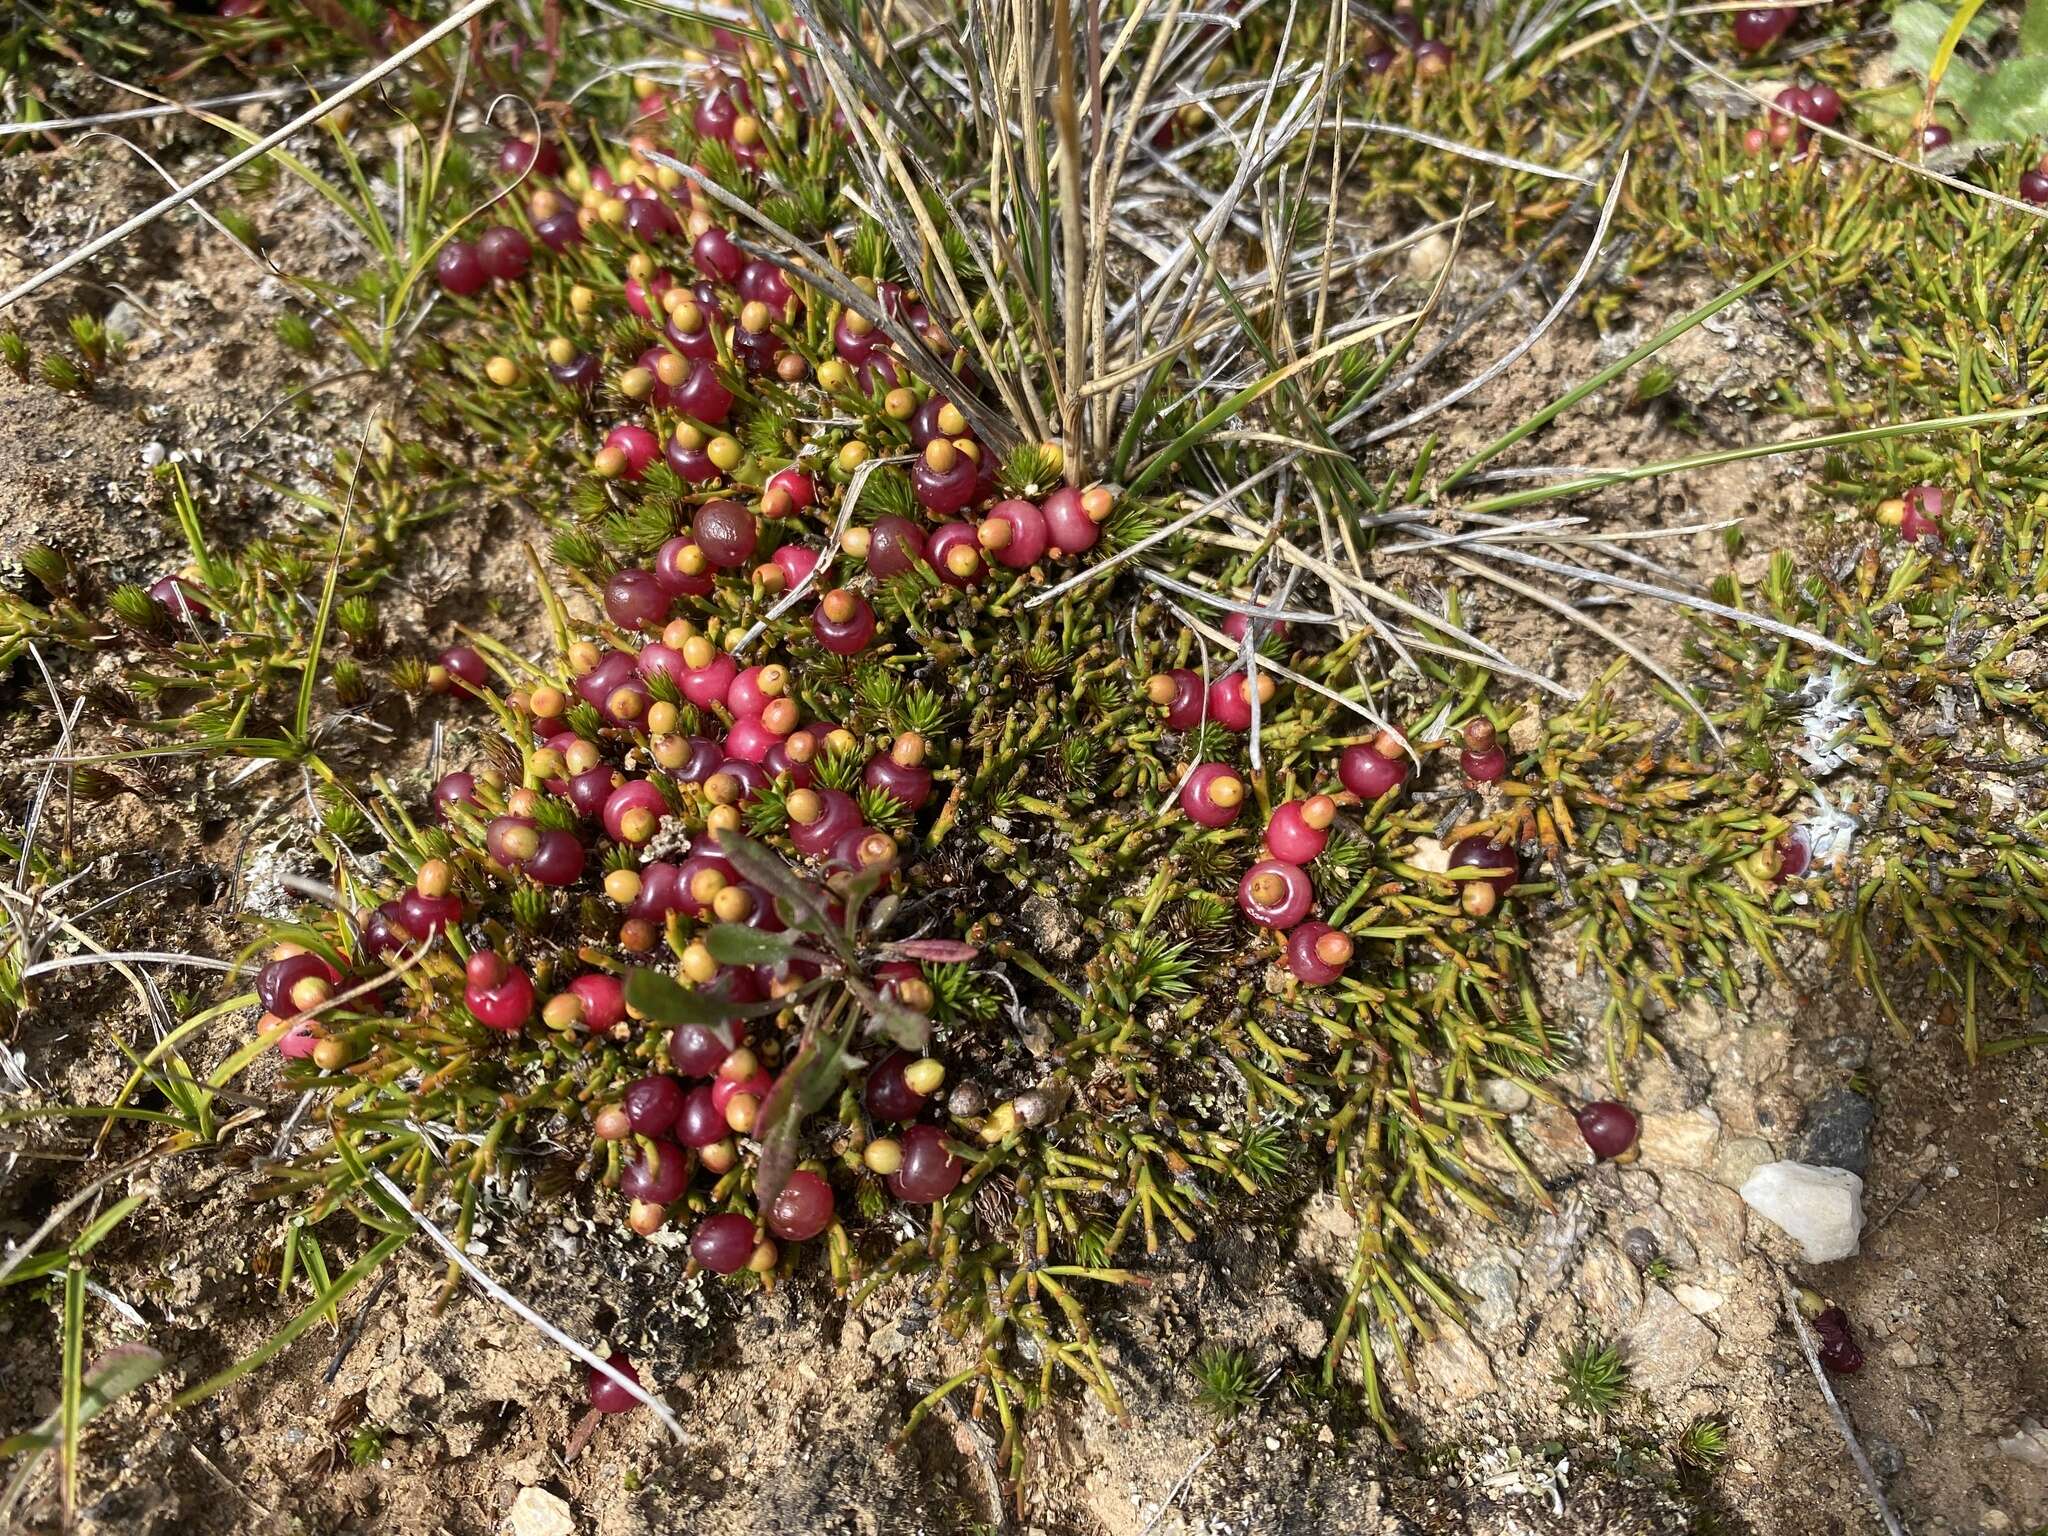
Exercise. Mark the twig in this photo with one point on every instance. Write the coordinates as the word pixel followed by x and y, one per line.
pixel 1842 1425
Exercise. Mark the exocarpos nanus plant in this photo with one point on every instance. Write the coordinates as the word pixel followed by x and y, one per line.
pixel 988 801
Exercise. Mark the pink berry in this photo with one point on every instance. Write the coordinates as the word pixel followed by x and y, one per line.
pixel 1067 523
pixel 637 444
pixel 943 492
pixel 707 686
pixel 1014 532
pixel 794 484
pixel 795 561
pixel 650 221
pixel 1275 894
pixel 1212 795
pixel 749 740
pixel 1317 953
pixel 1184 710
pixel 644 298
pixel 1300 829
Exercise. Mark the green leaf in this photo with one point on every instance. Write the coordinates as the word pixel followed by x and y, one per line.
pixel 1918 26
pixel 657 997
pixel 801 1090
pixel 737 944
pixel 2009 105
pixel 2034 30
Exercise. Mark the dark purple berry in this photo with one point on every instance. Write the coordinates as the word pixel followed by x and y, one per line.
pixel 803 1209
pixel 504 253
pixel 606 1395
pixel 723 1244
pixel 1609 1128
pixel 929 1171
pixel 459 270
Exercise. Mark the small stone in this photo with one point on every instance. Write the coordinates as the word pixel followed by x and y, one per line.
pixel 1685 1139
pixel 124 321
pixel 1821 1209
pixel 1554 1244
pixel 1838 1132
pixel 1428 256
pixel 1456 1366
pixel 1666 1346
pixel 1504 1094
pixel 2028 1443
pixel 536 1512
pixel 1608 1287
pixel 1492 1285
pixel 1640 1244
pixel 1696 1299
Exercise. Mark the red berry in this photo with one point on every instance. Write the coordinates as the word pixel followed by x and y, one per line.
pixel 653 1104
pixel 504 1006
pixel 802 1209
pixel 954 554
pixel 459 270
pixel 635 599
pixel 634 811
pixel 1756 30
pixel 698 1050
pixel 797 561
pixel 2034 188
pixel 716 256
pixel 657 1174
pixel 702 397
pixel 1369 772
pixel 606 1395
pixel 179 598
pixel 1478 852
pixel 275 982
pixel 707 686
pixel 517 157
pixel 1230 701
pixel 604 1000
pixel 1317 953
pixel 1838 1349
pixel 503 252
pixel 1184 711
pixel 725 531
pixel 912 786
pixel 1924 506
pixel 1609 1128
pixel 1274 894
pixel 723 1244
pixel 843 622
pixel 886 1094
pixel 929 1171
pixel 451 790
pixel 943 492
pixel 837 816
pixel 895 544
